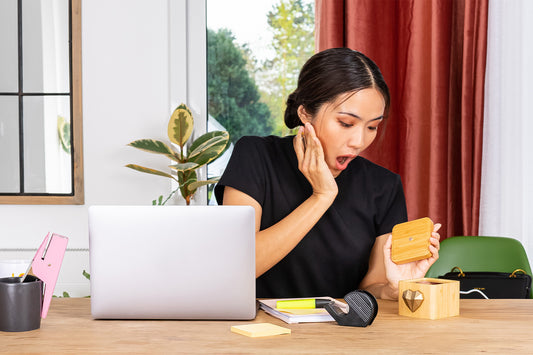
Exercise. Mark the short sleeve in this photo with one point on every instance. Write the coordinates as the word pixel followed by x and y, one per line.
pixel 245 170
pixel 392 208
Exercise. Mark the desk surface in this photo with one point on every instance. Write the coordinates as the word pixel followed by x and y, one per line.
pixel 491 326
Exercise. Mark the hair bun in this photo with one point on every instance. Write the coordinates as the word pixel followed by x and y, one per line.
pixel 291 111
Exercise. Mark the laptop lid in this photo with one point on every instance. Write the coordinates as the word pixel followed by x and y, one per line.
pixel 172 262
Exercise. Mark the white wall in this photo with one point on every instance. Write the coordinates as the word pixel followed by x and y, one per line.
pixel 128 49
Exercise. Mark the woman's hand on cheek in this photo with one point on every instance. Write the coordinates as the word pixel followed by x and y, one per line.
pixel 312 164
pixel 414 269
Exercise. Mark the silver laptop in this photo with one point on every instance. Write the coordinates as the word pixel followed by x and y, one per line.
pixel 172 262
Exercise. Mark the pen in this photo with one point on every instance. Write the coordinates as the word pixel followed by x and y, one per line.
pixel 303 303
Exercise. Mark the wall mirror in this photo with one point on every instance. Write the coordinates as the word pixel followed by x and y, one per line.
pixel 41 158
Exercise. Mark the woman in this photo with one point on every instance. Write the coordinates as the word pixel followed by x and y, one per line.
pixel 323 213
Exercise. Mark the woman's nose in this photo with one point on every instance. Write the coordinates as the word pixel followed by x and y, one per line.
pixel 357 139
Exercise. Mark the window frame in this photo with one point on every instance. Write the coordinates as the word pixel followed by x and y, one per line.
pixel 187 25
pixel 76 197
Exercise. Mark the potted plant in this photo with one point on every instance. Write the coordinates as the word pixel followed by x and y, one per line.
pixel 187 158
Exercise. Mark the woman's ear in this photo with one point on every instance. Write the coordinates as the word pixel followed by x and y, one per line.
pixel 303 115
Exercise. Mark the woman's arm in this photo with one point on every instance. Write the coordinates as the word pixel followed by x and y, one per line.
pixel 274 243
pixel 375 280
pixel 383 274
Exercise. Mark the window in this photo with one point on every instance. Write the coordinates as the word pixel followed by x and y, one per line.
pixel 39 99
pixel 254 56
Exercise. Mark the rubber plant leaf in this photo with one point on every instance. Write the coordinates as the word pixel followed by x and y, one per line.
pixel 142 169
pixel 184 179
pixel 180 125
pixel 209 150
pixel 154 146
pixel 63 131
pixel 205 137
pixel 184 166
pixel 190 180
pixel 197 184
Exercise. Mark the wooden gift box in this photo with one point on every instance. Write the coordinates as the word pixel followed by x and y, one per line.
pixel 410 240
pixel 428 298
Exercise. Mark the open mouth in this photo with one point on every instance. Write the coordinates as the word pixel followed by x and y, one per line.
pixel 342 162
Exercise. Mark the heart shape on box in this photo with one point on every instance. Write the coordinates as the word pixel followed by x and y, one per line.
pixel 413 299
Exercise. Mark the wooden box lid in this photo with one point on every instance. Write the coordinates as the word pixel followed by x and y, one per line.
pixel 410 240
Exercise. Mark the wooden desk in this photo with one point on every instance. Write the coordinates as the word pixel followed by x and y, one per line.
pixel 490 326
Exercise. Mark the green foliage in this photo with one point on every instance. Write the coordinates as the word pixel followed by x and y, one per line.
pixel 65 294
pixel 153 146
pixel 63 132
pixel 292 23
pixel 202 151
pixel 180 126
pixel 233 97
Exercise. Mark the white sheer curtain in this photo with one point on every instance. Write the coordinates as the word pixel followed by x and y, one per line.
pixel 507 174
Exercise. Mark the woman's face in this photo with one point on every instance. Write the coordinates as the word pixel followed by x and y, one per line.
pixel 348 126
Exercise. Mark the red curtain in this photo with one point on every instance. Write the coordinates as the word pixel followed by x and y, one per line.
pixel 432 55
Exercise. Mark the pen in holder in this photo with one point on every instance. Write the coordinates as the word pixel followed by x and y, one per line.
pixel 362 309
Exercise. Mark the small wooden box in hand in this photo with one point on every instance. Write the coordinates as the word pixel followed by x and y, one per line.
pixel 410 240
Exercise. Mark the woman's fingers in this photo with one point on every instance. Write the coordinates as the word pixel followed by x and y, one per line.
pixel 308 149
pixel 299 146
pixel 434 254
pixel 435 237
pixel 311 161
pixel 302 150
pixel 313 148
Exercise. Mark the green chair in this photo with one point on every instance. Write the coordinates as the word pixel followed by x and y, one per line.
pixel 474 253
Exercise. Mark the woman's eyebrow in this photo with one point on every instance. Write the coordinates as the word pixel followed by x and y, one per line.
pixel 359 118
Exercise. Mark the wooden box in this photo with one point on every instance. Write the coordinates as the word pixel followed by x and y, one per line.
pixel 428 298
pixel 410 240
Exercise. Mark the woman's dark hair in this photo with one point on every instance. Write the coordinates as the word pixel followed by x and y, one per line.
pixel 330 73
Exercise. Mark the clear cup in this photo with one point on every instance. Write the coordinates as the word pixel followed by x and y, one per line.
pixel 13 268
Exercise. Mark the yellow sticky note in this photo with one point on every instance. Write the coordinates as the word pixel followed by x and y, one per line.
pixel 259 330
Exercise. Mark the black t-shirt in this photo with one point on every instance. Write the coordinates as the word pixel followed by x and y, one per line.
pixel 332 259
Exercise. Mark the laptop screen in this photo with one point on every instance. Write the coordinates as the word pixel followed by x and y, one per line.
pixel 172 262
